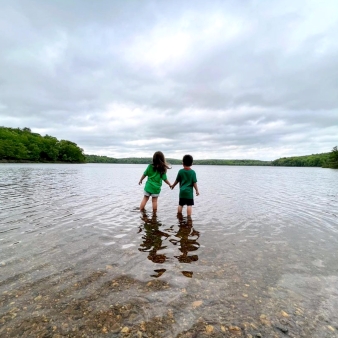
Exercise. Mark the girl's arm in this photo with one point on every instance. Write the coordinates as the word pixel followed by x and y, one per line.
pixel 141 179
pixel 173 186
pixel 196 189
pixel 166 181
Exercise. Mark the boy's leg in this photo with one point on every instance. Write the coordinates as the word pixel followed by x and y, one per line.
pixel 144 202
pixel 154 201
pixel 179 209
pixel 189 210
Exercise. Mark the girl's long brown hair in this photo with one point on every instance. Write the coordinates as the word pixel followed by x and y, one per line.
pixel 159 163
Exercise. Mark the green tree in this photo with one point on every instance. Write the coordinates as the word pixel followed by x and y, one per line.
pixel 22 145
pixel 334 154
pixel 49 149
pixel 70 152
pixel 333 159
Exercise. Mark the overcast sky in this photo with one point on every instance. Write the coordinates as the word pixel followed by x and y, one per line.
pixel 216 79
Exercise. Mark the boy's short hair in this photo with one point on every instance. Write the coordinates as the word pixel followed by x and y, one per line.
pixel 188 160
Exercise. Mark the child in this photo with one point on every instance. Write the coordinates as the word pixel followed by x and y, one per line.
pixel 187 179
pixel 156 173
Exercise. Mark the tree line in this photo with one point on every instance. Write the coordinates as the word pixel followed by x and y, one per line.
pixel 324 160
pixel 22 145
pixel 314 160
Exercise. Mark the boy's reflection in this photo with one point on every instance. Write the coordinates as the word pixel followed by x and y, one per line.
pixel 152 241
pixel 186 238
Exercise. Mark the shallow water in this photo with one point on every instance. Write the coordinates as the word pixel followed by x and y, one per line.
pixel 258 258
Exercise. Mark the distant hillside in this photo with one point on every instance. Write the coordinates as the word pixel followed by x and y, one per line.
pixel 147 160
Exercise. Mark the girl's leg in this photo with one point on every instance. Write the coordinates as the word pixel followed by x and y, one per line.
pixel 154 201
pixel 144 202
pixel 179 209
pixel 189 210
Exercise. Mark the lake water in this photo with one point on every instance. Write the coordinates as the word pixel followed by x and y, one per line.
pixel 257 259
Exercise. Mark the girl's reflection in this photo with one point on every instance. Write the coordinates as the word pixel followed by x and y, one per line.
pixel 152 241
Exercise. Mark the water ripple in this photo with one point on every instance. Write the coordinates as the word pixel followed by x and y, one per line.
pixel 75 251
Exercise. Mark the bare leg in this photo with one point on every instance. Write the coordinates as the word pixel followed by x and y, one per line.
pixel 144 202
pixel 189 210
pixel 179 209
pixel 154 201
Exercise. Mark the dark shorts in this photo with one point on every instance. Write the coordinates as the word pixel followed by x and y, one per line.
pixel 186 201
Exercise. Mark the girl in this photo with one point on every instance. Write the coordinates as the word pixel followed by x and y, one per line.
pixel 156 172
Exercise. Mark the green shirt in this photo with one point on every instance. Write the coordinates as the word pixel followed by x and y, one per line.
pixel 154 181
pixel 187 178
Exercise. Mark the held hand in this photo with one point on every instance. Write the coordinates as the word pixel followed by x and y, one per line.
pixel 139 183
pixel 172 187
pixel 197 193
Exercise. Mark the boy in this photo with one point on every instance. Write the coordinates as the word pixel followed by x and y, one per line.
pixel 187 179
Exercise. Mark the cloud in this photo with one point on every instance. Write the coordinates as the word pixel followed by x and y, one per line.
pixel 221 79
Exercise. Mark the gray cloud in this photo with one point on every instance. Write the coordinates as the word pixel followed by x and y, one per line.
pixel 220 79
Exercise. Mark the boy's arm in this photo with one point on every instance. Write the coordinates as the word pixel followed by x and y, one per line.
pixel 141 179
pixel 173 186
pixel 196 189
